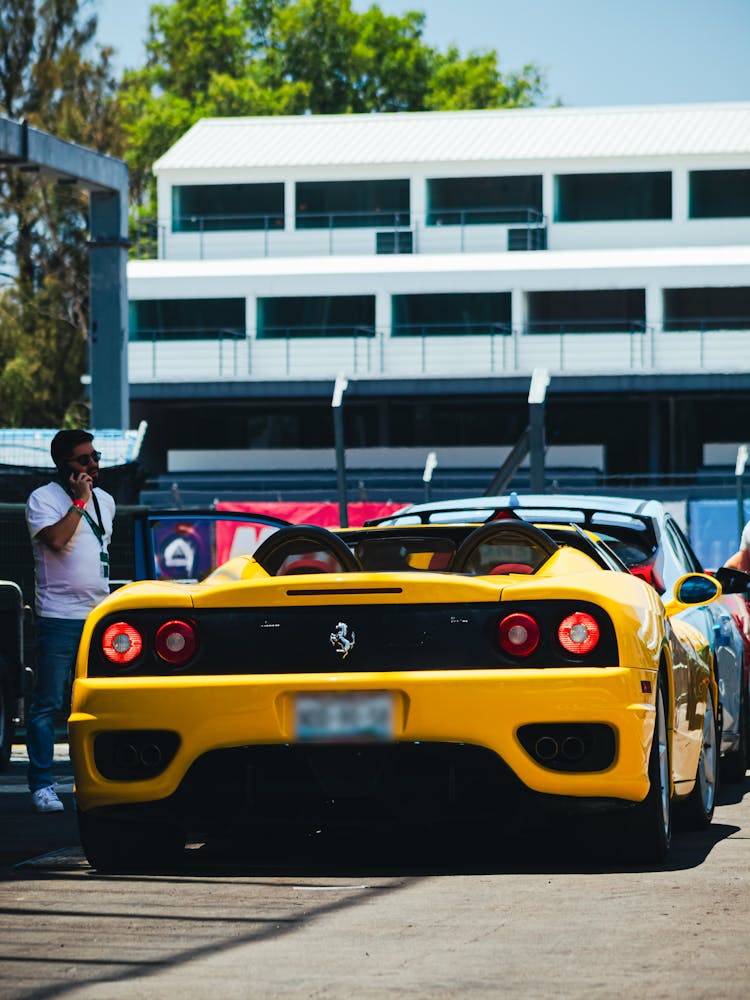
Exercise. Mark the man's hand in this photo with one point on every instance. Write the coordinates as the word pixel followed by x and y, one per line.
pixel 81 485
pixel 740 560
pixel 56 536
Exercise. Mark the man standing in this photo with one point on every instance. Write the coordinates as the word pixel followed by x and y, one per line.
pixel 70 523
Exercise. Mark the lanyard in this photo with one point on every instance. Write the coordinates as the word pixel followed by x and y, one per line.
pixel 98 529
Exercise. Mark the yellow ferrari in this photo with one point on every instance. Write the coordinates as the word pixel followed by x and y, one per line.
pixel 392 673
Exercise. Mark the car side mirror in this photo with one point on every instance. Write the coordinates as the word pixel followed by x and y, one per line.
pixel 691 590
pixel 733 581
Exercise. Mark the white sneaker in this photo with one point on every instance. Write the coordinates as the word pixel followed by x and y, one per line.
pixel 45 800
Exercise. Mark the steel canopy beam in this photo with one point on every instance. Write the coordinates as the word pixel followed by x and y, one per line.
pixel 106 179
pixel 29 148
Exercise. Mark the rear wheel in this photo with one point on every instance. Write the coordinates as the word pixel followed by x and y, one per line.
pixel 117 846
pixel 648 827
pixel 697 811
pixel 734 764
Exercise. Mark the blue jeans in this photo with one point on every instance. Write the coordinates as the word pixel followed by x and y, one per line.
pixel 56 645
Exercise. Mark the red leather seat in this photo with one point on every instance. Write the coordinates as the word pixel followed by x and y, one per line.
pixel 511 568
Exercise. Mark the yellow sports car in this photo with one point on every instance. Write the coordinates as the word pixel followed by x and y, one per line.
pixel 386 674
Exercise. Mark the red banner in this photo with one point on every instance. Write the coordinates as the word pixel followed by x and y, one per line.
pixel 324 513
pixel 235 537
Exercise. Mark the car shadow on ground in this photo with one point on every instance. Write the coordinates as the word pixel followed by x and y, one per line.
pixel 562 845
pixel 414 852
pixel 732 794
pixel 583 844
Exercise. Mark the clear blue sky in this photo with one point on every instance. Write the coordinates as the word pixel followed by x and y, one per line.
pixel 594 52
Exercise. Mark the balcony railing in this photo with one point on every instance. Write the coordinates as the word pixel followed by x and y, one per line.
pixel 502 349
pixel 186 333
pixel 305 331
pixel 453 230
pixel 534 327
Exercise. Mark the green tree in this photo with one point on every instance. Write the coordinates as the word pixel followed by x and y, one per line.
pixel 189 42
pixel 398 66
pixel 264 57
pixel 350 62
pixel 476 82
pixel 43 353
pixel 54 76
pixel 200 63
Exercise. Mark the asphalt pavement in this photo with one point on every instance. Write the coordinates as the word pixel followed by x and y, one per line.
pixel 24 833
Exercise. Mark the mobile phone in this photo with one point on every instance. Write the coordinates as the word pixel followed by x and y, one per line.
pixel 65 471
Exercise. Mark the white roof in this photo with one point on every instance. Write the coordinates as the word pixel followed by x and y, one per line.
pixel 519 134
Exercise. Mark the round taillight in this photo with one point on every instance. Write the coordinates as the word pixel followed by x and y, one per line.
pixel 176 642
pixel 518 634
pixel 578 633
pixel 121 643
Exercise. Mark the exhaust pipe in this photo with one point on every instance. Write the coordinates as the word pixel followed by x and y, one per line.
pixel 546 748
pixel 127 755
pixel 150 755
pixel 573 748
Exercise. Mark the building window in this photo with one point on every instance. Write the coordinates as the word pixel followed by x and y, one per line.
pixel 318 316
pixel 719 194
pixel 214 207
pixel 352 204
pixel 707 308
pixel 481 201
pixel 606 311
pixel 186 319
pixel 450 314
pixel 613 197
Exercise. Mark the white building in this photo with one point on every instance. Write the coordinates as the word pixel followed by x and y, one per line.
pixel 437 259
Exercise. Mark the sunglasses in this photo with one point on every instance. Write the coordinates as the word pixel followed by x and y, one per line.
pixel 88 458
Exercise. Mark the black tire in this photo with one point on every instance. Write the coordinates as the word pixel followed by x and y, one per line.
pixel 734 764
pixel 118 847
pixel 648 826
pixel 7 727
pixel 697 811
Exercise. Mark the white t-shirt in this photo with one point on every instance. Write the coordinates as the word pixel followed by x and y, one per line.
pixel 70 582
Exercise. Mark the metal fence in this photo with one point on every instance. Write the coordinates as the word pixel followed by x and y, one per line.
pixel 439 351
pixel 460 230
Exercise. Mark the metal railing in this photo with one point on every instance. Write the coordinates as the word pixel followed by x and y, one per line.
pixel 462 230
pixel 427 350
pixel 297 331
pixel 226 223
pixel 152 334
pixel 686 324
pixel 602 325
pixel 467 328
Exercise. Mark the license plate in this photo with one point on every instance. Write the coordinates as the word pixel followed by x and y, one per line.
pixel 366 717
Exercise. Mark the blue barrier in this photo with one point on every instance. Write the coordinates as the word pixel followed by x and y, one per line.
pixel 713 529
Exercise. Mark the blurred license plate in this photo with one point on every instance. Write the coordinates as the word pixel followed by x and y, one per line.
pixel 367 716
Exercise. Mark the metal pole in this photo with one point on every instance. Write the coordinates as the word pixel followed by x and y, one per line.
pixel 338 433
pixel 108 322
pixel 537 394
pixel 429 467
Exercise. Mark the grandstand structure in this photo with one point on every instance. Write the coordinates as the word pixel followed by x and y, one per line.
pixel 436 260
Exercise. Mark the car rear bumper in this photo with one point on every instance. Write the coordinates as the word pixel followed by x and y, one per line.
pixel 481 709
